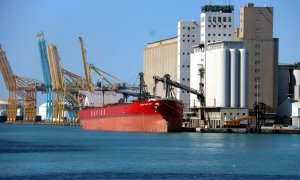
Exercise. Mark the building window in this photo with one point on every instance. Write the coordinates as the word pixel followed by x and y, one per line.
pixel 188 53
pixel 224 19
pixel 237 113
pixel 214 26
pixel 183 35
pixel 183 79
pixel 219 34
pixel 193 27
pixel 219 26
pixel 229 19
pixel 183 40
pixel 230 26
pixel 188 40
pixel 183 66
pixel 214 19
pixel 214 34
pixel 208 41
pixel 209 25
pixel 188 35
pixel 219 19
pixel 183 27
pixel 188 66
pixel 209 19
pixel 224 26
pixel 229 34
pixel 208 34
pixel 183 53
pixel 188 28
pixel 224 34
pixel 224 114
pixel 188 79
pixel 193 40
pixel 182 91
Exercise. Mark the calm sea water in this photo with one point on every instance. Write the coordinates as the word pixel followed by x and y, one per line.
pixel 57 152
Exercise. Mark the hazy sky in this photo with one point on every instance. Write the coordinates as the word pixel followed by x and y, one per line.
pixel 115 31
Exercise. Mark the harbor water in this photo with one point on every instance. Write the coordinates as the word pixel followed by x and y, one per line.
pixel 68 152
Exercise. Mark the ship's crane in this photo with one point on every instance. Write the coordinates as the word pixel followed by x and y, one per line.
pixel 168 82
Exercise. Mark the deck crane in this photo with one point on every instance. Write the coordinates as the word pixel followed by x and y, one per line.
pixel 168 83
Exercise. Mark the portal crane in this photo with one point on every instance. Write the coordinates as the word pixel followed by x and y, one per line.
pixel 86 66
pixel 22 91
pixel 46 75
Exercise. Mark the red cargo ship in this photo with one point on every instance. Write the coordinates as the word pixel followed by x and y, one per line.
pixel 139 116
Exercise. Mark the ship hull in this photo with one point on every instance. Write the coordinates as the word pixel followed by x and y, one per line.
pixel 146 116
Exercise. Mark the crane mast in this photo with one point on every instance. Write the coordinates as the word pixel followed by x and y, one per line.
pixel 85 64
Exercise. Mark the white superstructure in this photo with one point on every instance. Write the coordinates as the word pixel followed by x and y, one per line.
pixel 98 99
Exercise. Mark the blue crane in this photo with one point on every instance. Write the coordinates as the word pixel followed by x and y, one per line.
pixel 47 76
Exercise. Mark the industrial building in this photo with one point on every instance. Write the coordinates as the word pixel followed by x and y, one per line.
pixel 211 62
pixel 221 70
pixel 217 23
pixel 289 95
pixel 3 107
pixel 256 30
pixel 188 36
pixel 160 57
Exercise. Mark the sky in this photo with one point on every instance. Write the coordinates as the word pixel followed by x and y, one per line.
pixel 115 32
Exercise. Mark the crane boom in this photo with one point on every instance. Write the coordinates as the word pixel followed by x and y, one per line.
pixel 85 64
pixel 167 80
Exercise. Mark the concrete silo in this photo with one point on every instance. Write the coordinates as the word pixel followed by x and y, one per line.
pixel 224 80
pixel 243 78
pixel 296 74
pixel 234 78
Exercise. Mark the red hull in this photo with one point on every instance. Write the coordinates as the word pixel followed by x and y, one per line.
pixel 143 116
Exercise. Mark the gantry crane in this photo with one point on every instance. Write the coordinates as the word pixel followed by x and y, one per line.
pixel 46 75
pixel 22 91
pixel 66 86
pixel 88 78
pixel 11 85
